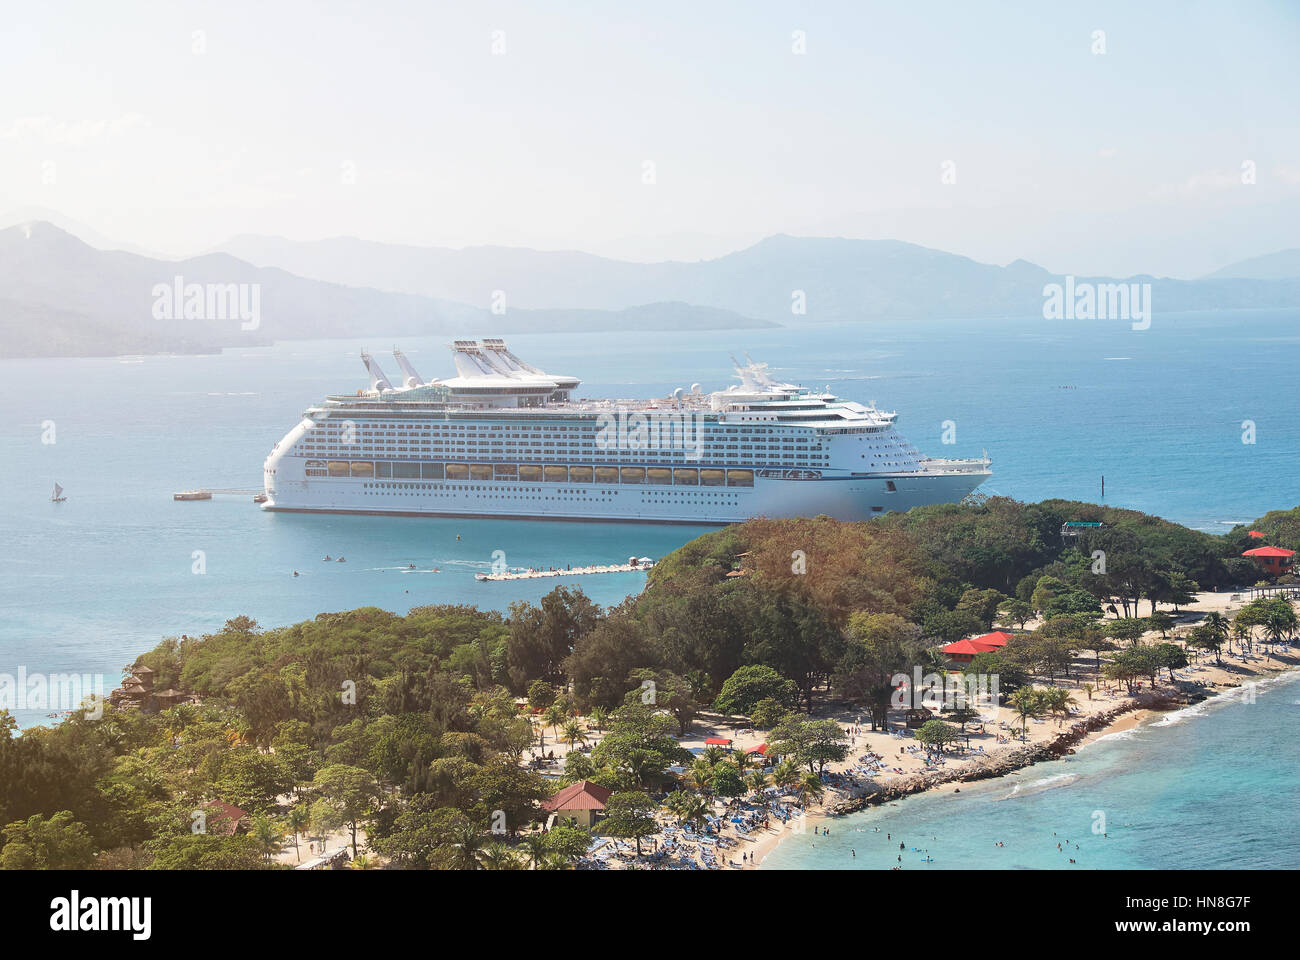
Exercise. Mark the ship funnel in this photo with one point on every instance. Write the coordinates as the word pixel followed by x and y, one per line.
pixel 409 376
pixel 378 381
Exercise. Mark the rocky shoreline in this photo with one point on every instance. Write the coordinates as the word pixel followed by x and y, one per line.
pixel 987 768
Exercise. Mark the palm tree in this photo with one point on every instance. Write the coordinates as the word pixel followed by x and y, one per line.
pixel 361 862
pixel 713 754
pixel 700 775
pixel 296 820
pixel 1026 704
pixel 536 850
pixel 1088 688
pixel 757 783
pixel 1059 701
pixel 810 786
pixel 786 774
pixel 466 843
pixel 268 835
pixel 687 807
pixel 573 733
pixel 499 856
pixel 553 717
pixel 598 717
pixel 742 760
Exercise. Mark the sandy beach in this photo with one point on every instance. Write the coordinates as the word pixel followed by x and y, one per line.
pixel 890 762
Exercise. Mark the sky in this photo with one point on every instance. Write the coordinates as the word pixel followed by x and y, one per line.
pixel 665 130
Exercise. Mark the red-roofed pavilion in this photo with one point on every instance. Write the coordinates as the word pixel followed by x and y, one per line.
pixel 580 803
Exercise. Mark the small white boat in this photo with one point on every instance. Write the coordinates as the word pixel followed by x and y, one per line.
pixel 57 496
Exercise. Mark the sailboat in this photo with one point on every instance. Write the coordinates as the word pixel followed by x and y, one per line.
pixel 57 496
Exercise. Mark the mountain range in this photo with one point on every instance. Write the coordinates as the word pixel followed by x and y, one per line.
pixel 62 296
pixel 59 296
pixel 833 279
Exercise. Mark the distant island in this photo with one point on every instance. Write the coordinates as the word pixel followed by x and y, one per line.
pixel 769 671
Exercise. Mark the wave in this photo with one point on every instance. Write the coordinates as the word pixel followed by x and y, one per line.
pixel 1129 734
pixel 1021 790
pixel 1240 694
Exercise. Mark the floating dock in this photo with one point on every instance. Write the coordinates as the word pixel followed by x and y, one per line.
pixel 257 495
pixel 630 567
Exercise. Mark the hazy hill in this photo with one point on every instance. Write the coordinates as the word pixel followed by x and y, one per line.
pixel 841 279
pixel 60 296
pixel 1282 265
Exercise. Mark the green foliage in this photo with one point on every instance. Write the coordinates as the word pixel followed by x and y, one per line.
pixel 59 843
pixel 745 688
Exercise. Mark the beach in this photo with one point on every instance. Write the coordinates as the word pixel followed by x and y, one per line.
pixel 1108 711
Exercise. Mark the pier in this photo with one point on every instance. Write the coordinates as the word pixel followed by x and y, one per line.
pixel 207 493
pixel 631 567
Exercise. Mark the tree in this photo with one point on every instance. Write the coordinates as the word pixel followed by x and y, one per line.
pixel 1018 612
pixel 465 847
pixel 629 814
pixel 296 821
pixel 1162 622
pixel 1171 656
pixel 351 793
pixel 499 856
pixel 541 695
pixel 573 733
pixel 1026 704
pixel 567 841
pixel 687 807
pixel 59 843
pixel 639 747
pixel 268 834
pixel 786 774
pixel 1209 636
pixel 1126 630
pixel 598 717
pixel 1059 701
pixel 422 835
pixel 814 742
pixel 963 715
pixel 745 688
pixel 936 735
pixel 767 713
pixel 809 788
pixel 728 780
pixel 666 691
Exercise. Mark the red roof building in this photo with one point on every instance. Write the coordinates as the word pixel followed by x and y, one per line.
pixel 222 817
pixel 998 638
pixel 964 651
pixel 1273 561
pixel 580 803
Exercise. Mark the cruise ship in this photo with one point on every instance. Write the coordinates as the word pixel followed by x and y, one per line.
pixel 505 439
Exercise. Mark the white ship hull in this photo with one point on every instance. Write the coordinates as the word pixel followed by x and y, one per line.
pixel 849 498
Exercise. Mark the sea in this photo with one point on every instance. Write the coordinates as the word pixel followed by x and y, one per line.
pixel 1212 786
pixel 1192 419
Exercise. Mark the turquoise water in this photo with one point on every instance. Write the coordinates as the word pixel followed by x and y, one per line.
pixel 1213 786
pixel 88 584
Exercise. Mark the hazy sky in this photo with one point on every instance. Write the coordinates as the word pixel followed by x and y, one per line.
pixel 399 122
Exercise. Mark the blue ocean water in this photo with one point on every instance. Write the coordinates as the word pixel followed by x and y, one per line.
pixel 88 584
pixel 1209 787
